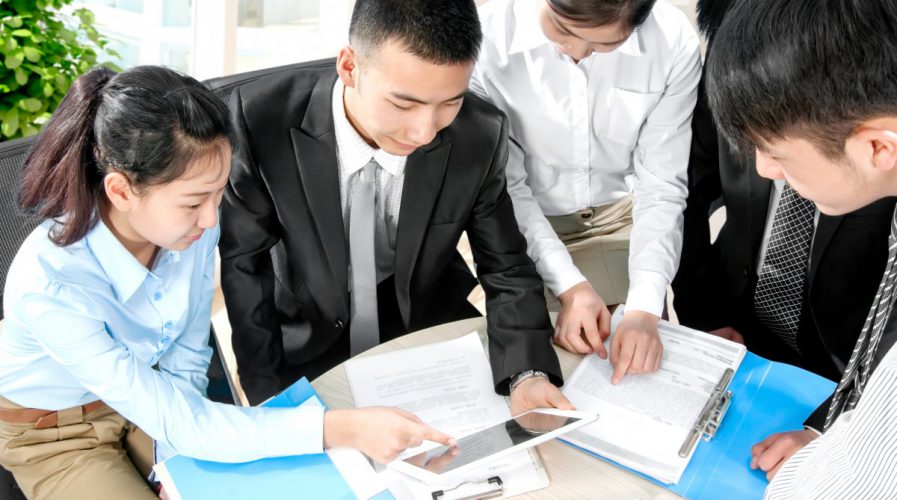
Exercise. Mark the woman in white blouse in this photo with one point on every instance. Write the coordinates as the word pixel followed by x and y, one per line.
pixel 599 95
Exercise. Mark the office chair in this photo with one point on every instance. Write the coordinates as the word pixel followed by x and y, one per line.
pixel 15 227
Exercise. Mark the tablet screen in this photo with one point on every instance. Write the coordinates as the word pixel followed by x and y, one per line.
pixel 489 441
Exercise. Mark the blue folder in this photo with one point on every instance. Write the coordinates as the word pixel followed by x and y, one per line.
pixel 767 397
pixel 304 476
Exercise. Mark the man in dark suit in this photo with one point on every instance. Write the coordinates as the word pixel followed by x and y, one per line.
pixel 716 287
pixel 391 116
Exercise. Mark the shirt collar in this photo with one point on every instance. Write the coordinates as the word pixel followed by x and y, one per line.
pixel 124 271
pixel 354 153
pixel 527 30
pixel 528 33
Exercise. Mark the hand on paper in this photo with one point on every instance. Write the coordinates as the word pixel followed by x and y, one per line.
pixel 537 392
pixel 728 333
pixel 584 321
pixel 636 346
pixel 770 454
pixel 378 431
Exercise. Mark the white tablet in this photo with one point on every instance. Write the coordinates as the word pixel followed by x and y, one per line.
pixel 523 431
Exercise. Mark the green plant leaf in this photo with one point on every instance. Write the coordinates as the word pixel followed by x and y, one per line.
pixel 21 76
pixel 10 122
pixel 29 130
pixel 31 105
pixel 85 15
pixel 13 22
pixel 22 33
pixel 31 54
pixel 14 59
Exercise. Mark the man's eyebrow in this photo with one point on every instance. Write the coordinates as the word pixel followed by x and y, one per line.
pixel 405 97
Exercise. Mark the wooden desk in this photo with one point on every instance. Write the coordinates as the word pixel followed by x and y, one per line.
pixel 573 474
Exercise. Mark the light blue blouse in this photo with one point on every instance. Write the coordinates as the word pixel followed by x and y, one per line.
pixel 88 321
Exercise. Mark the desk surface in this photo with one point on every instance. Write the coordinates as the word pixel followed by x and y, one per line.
pixel 573 473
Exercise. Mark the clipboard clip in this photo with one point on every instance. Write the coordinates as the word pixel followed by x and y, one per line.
pixel 472 490
pixel 711 416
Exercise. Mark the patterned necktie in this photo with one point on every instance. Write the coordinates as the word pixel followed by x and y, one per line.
pixel 364 326
pixel 859 368
pixel 779 296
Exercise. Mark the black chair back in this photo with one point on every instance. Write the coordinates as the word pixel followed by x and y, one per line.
pixel 15 226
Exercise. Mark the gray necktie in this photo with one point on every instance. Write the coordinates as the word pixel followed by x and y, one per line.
pixel 779 296
pixel 364 325
pixel 859 368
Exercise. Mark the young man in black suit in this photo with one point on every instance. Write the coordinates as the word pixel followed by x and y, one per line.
pixel 810 86
pixel 383 143
pixel 717 287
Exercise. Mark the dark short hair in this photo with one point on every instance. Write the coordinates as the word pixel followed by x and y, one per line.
pixel 149 123
pixel 809 69
pixel 594 13
pixel 438 31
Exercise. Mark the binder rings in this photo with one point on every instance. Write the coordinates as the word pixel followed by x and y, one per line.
pixel 309 476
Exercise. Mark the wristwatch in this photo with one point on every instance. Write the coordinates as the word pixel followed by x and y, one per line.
pixel 525 374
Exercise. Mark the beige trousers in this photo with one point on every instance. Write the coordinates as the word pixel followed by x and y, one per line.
pixel 598 241
pixel 99 456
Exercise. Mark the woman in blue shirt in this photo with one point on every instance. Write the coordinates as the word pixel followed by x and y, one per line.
pixel 107 303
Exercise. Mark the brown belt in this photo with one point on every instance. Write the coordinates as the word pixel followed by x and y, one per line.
pixel 42 419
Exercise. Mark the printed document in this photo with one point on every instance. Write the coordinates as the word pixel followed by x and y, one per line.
pixel 646 417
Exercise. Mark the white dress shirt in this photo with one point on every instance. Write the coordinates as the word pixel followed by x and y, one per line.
pixel 353 153
pixel 588 134
pixel 857 457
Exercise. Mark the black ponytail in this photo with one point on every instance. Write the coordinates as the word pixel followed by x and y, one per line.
pixel 60 175
pixel 149 123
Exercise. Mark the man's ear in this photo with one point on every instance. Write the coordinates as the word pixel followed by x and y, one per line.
pixel 118 191
pixel 347 66
pixel 876 142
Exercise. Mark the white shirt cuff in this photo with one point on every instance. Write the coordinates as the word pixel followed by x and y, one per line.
pixel 647 292
pixel 559 272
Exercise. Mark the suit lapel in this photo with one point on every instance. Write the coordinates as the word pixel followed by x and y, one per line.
pixel 424 173
pixel 758 201
pixel 314 146
pixel 825 230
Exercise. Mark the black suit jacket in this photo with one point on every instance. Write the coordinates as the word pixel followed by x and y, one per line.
pixel 283 249
pixel 715 283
